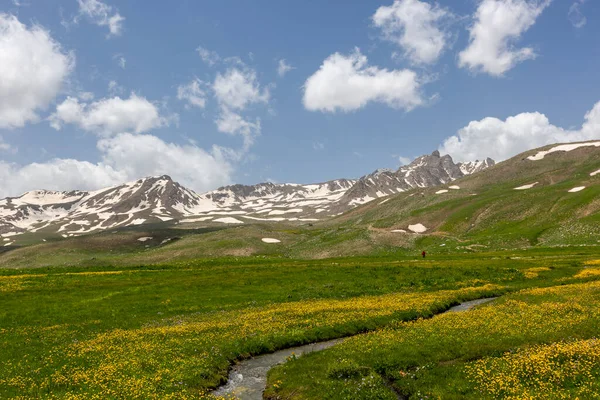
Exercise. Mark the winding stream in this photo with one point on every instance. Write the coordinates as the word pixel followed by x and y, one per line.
pixel 247 380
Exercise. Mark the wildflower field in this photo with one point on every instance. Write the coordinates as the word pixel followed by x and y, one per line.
pixel 538 343
pixel 172 331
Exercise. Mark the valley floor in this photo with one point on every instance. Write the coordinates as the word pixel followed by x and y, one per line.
pixel 172 331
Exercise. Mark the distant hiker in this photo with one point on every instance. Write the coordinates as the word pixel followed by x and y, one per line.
pixel 423 254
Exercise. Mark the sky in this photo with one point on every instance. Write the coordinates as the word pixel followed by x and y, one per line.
pixel 95 93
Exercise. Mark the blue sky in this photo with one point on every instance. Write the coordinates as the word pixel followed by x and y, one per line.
pixel 103 91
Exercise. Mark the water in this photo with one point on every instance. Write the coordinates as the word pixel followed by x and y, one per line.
pixel 467 305
pixel 247 380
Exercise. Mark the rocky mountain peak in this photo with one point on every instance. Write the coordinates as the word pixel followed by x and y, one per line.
pixel 472 167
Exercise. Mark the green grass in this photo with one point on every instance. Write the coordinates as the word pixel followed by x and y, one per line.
pixel 437 358
pixel 173 329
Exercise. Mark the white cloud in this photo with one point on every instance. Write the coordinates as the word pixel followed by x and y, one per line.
pixel 347 83
pixel 124 157
pixel 101 14
pixel 283 68
pixel 192 93
pixel 145 155
pixel 404 160
pixel 492 137
pixel 109 116
pixel 86 96
pixel 498 25
pixel 234 124
pixel 208 56
pixel 114 88
pixel 238 88
pixel 235 90
pixel 57 174
pixel 32 71
pixel 575 15
pixel 415 26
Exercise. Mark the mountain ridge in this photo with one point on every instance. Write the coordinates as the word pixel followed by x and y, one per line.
pixel 547 196
pixel 160 199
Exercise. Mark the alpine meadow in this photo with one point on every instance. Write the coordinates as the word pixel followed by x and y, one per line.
pixel 152 247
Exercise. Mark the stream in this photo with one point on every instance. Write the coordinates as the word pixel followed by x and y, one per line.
pixel 247 380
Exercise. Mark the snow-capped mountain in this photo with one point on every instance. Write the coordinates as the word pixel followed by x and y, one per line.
pixel 424 171
pixel 146 200
pixel 471 167
pixel 265 196
pixel 159 199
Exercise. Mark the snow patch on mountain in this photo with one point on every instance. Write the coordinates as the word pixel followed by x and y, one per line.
pixel 45 197
pixel 229 220
pixel 281 212
pixel 525 187
pixel 417 228
pixel 271 240
pixel 563 147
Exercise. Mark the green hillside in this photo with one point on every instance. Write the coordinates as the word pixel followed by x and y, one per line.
pixel 487 213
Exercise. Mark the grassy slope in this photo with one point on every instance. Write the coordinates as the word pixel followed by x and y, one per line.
pixel 487 212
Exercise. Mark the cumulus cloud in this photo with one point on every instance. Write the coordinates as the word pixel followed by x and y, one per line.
pixel 498 139
pixel 498 25
pixel 124 157
pixel 101 14
pixel 235 91
pixel 575 15
pixel 234 124
pixel 57 174
pixel 283 68
pixel 237 88
pixel 210 57
pixel 144 155
pixel 192 93
pixel 347 83
pixel 415 26
pixel 109 116
pixel 32 71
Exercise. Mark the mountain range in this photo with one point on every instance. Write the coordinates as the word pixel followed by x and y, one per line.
pixel 160 199
pixel 544 197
